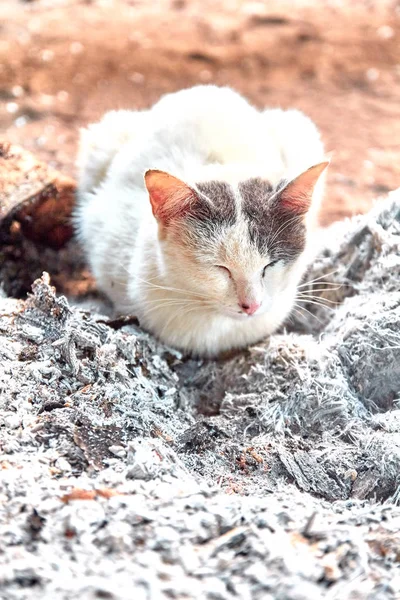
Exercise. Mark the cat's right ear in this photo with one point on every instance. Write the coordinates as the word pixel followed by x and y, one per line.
pixel 169 196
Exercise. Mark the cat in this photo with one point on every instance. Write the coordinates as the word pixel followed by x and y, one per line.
pixel 195 215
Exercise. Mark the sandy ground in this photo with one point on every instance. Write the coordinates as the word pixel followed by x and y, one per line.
pixel 63 63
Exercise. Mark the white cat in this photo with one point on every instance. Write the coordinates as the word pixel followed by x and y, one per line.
pixel 209 256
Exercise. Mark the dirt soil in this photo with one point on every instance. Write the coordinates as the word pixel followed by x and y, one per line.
pixel 63 63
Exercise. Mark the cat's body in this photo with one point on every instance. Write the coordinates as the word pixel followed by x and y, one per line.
pixel 187 254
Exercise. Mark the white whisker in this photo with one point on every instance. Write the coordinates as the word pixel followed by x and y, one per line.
pixel 299 307
pixel 319 279
pixel 174 316
pixel 323 289
pixel 317 304
pixel 317 298
pixel 164 305
pixel 171 289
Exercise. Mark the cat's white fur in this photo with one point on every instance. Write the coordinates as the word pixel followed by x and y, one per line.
pixel 199 134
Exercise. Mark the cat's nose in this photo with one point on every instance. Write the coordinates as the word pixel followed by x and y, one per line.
pixel 250 308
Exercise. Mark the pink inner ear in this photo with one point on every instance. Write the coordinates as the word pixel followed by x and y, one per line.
pixel 297 195
pixel 297 203
pixel 169 196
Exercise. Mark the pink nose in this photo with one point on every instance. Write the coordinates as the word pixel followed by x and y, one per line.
pixel 250 308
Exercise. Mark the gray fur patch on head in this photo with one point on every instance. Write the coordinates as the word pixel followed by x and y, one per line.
pixel 213 212
pixel 219 207
pixel 273 230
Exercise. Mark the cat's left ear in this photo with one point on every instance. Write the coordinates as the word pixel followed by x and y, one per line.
pixel 296 196
pixel 169 196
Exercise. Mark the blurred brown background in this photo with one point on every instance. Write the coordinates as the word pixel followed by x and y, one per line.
pixel 63 63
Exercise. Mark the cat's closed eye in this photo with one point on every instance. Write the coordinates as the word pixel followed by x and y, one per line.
pixel 268 266
pixel 225 269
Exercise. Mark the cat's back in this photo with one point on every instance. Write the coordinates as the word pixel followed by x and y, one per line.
pixel 204 109
pixel 194 127
pixel 214 124
pixel 181 133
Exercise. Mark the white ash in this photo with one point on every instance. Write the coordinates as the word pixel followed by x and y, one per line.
pixel 274 473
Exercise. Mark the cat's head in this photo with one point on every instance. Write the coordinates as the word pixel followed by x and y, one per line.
pixel 235 249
